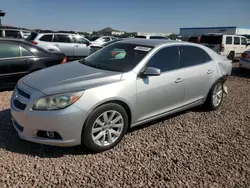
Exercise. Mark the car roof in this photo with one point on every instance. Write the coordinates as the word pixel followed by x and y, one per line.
pixel 149 42
pixel 15 29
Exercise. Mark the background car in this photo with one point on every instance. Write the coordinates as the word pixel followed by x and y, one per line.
pixel 231 46
pixel 19 58
pixel 95 100
pixel 102 40
pixel 74 46
pixel 96 47
pixel 14 33
pixel 194 39
pixel 151 37
pixel 245 60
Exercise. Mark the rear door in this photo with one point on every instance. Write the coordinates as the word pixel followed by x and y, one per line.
pixel 243 44
pixel 81 46
pixel 64 43
pixel 199 69
pixel 14 62
pixel 237 46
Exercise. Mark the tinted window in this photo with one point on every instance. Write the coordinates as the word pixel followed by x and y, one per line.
pixel 31 37
pixel 62 38
pixel 166 59
pixel 106 39
pixel 25 52
pixel 237 40
pixel 191 55
pixel 120 57
pixel 80 40
pixel 9 50
pixel 229 40
pixel 12 34
pixel 214 39
pixel 46 38
pixel 157 37
pixel 140 37
pixel 243 41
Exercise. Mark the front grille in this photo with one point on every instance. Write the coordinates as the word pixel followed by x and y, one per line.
pixel 19 105
pixel 24 94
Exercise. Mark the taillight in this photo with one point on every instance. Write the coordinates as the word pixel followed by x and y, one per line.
pixel 35 43
pixel 245 56
pixel 64 60
pixel 222 48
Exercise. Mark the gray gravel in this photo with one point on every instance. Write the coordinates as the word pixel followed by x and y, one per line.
pixel 191 149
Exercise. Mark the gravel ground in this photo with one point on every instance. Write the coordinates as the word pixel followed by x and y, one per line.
pixel 191 149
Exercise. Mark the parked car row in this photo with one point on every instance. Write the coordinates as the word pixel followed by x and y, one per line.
pixel 14 33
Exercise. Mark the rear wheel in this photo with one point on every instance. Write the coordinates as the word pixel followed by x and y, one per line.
pixel 215 96
pixel 105 127
pixel 231 56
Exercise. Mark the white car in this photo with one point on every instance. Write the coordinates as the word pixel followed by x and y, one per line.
pixel 102 40
pixel 245 60
pixel 231 46
pixel 72 45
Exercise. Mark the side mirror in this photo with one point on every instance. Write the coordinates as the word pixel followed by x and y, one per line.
pixel 151 71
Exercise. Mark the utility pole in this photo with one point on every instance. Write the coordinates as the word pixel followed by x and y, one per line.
pixel 2 14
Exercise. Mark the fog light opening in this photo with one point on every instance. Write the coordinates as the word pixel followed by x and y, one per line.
pixel 50 134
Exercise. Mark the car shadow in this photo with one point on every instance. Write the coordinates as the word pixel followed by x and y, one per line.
pixel 244 73
pixel 10 141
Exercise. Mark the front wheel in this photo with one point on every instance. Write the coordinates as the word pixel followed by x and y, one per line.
pixel 215 96
pixel 105 127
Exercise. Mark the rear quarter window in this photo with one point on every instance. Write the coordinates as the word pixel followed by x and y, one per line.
pixel 9 50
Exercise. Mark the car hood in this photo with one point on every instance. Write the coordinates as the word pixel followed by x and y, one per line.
pixel 72 76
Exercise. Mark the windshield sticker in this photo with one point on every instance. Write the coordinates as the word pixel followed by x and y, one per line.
pixel 142 48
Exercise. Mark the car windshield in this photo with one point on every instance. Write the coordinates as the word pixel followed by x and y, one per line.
pixel 119 57
pixel 211 39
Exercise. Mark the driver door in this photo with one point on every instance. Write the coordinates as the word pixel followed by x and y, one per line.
pixel 163 93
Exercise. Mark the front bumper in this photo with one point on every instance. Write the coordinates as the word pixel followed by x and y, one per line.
pixel 68 123
pixel 244 64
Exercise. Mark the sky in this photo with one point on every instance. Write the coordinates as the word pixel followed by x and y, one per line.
pixel 125 15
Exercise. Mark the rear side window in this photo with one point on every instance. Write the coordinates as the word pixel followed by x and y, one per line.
pixel 25 52
pixel 191 55
pixel 157 37
pixel 243 41
pixel 237 40
pixel 31 37
pixel 166 59
pixel 229 40
pixel 80 40
pixel 12 34
pixel 46 38
pixel 9 50
pixel 62 38
pixel 213 39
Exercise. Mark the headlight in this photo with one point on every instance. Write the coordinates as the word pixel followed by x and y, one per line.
pixel 56 102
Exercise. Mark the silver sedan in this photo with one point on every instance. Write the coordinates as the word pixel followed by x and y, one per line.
pixel 95 101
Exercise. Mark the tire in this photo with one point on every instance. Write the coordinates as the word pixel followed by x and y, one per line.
pixel 100 135
pixel 231 56
pixel 210 103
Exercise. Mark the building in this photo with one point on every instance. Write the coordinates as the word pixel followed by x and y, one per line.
pixel 152 34
pixel 198 31
pixel 117 33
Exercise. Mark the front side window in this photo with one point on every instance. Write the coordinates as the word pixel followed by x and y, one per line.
pixel 140 37
pixel 12 34
pixel 119 57
pixel 191 55
pixel 62 38
pixel 9 50
pixel 243 41
pixel 166 59
pixel 46 38
pixel 25 52
pixel 237 40
pixel 229 40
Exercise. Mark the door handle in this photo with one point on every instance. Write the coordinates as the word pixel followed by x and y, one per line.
pixel 209 72
pixel 178 80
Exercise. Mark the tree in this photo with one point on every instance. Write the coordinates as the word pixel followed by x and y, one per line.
pixel 173 36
